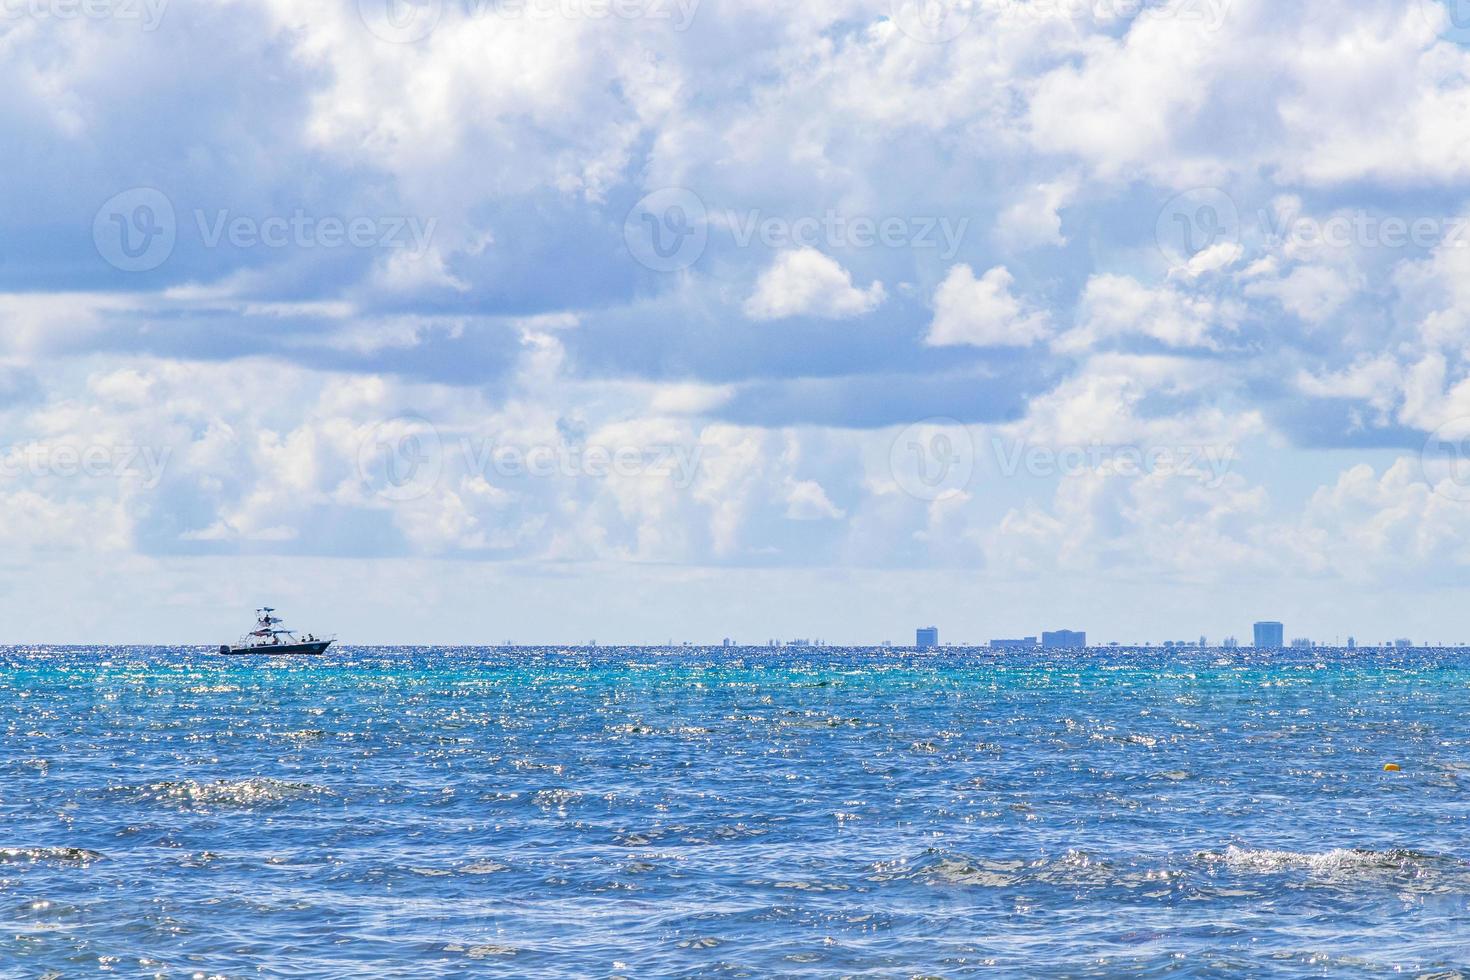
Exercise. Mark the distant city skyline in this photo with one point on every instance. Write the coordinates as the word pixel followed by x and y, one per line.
pixel 1278 635
pixel 485 604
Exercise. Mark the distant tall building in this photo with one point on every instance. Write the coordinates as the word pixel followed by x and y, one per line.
pixel 1063 640
pixel 1231 643
pixel 927 638
pixel 1270 636
pixel 1301 644
pixel 1352 643
pixel 1026 643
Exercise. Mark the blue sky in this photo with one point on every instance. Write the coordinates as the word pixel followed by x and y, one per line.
pixel 554 320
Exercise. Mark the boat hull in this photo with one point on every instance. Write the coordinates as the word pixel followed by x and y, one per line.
pixel 313 649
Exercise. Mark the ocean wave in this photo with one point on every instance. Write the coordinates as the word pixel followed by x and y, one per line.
pixel 481 951
pixel 60 855
pixel 1072 869
pixel 555 798
pixel 1413 871
pixel 637 729
pixel 242 793
pixel 1337 862
pixel 483 867
pixel 305 735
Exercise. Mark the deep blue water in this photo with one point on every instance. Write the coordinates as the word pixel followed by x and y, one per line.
pixel 436 813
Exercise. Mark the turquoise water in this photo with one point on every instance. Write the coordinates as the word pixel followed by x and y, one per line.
pixel 433 813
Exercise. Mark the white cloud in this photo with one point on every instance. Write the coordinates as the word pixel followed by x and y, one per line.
pixel 1401 113
pixel 983 312
pixel 1127 101
pixel 1435 291
pixel 807 501
pixel 689 399
pixel 1378 381
pixel 1035 218
pixel 1371 527
pixel 1199 92
pixel 408 270
pixel 1312 292
pixel 1213 259
pixel 805 282
pixel 1115 307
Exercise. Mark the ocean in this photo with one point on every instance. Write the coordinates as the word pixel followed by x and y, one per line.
pixel 626 812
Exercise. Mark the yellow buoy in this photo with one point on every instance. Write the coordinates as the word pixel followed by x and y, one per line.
pixel 1392 767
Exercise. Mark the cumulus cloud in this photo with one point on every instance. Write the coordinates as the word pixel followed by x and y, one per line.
pixel 807 283
pixel 983 312
pixel 807 501
pixel 1035 219
pixel 1115 308
pixel 1311 292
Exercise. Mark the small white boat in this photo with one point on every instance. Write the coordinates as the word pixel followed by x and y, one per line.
pixel 268 641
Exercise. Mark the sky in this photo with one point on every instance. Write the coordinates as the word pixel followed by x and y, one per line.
pixel 465 321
